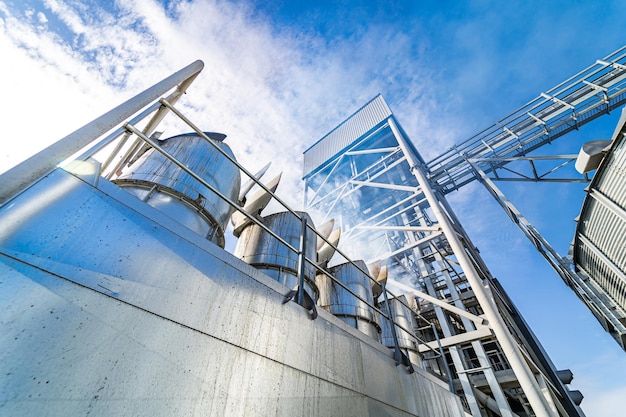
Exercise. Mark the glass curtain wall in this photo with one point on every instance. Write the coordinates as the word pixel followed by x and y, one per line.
pixel 359 176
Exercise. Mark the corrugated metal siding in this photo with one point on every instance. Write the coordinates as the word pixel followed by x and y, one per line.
pixel 601 273
pixel 601 235
pixel 366 118
pixel 612 182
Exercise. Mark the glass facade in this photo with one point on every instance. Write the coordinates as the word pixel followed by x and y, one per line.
pixel 367 183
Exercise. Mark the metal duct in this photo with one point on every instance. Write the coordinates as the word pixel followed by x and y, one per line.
pixel 266 253
pixel 404 317
pixel 338 301
pixel 167 187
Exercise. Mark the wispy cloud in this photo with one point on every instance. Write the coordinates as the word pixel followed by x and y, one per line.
pixel 272 93
pixel 274 89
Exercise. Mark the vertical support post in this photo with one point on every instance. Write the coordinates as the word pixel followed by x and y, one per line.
pixel 443 359
pixel 397 354
pixel 516 360
pixel 302 262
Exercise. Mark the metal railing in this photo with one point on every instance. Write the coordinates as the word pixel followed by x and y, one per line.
pixel 116 127
pixel 580 99
pixel 26 173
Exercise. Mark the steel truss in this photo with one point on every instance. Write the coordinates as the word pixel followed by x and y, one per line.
pixel 501 153
pixel 593 92
pixel 611 316
pixel 377 191
pixel 535 170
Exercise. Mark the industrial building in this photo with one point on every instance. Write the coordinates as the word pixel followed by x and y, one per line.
pixel 118 297
pixel 367 175
pixel 599 246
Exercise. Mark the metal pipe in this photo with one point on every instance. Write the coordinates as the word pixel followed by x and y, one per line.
pixel 520 367
pixel 489 402
pixel 114 152
pixel 40 164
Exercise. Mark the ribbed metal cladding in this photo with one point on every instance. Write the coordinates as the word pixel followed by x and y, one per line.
pixel 364 119
pixel 167 187
pixel 338 301
pixel 263 251
pixel 600 243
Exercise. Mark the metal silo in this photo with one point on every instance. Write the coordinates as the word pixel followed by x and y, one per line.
pixel 167 187
pixel 338 301
pixel 404 317
pixel 266 253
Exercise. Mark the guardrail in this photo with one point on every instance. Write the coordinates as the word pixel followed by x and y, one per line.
pixel 119 125
pixel 587 95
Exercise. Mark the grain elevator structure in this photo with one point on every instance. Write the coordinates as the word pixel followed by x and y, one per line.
pixel 118 296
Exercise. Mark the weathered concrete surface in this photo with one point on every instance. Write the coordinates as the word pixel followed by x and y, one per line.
pixel 106 311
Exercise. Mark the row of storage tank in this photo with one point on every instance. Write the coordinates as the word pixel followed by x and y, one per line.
pixel 163 184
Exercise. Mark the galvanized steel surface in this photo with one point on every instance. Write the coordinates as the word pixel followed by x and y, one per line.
pixel 405 318
pixel 109 307
pixel 263 251
pixel 179 208
pixel 201 157
pixel 338 301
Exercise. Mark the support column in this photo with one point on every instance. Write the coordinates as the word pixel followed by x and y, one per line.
pixel 518 364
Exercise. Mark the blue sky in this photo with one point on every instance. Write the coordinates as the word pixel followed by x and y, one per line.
pixel 280 74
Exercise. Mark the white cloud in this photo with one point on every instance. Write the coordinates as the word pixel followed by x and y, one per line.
pixel 42 18
pixel 271 93
pixel 274 92
pixel 605 403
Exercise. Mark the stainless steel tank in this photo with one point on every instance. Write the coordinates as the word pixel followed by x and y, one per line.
pixel 338 301
pixel 165 186
pixel 266 253
pixel 404 317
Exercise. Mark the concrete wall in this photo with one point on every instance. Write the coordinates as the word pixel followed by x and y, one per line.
pixel 107 311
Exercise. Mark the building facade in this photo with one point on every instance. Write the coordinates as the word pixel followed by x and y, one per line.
pixel 599 246
pixel 367 176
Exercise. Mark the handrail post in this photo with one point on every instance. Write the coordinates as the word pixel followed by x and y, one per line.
pixel 399 357
pixel 443 359
pixel 302 262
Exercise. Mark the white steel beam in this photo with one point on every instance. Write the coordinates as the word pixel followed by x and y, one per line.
pixel 524 158
pixel 611 64
pixel 479 321
pixel 405 248
pixel 507 342
pixel 395 163
pixel 401 228
pixel 371 151
pixel 481 333
pixel 591 296
pixel 395 187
